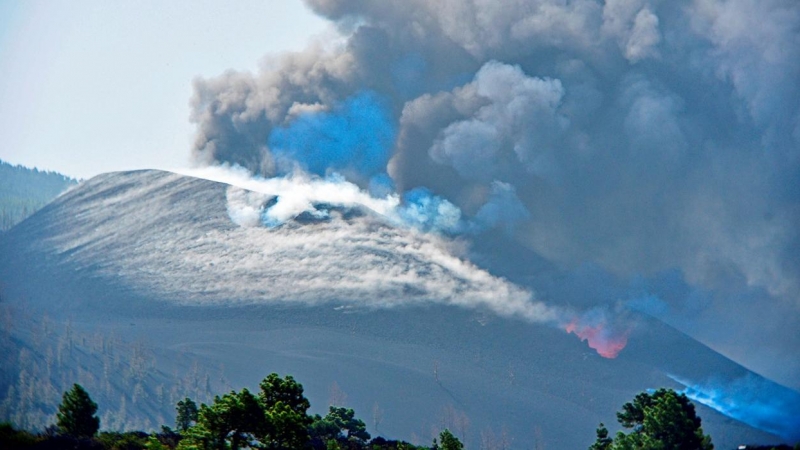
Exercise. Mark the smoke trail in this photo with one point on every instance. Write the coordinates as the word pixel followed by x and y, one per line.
pixel 750 399
pixel 277 200
pixel 302 198
pixel 362 251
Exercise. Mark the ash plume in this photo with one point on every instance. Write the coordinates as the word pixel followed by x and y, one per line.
pixel 643 137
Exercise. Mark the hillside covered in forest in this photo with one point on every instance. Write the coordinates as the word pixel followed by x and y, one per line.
pixel 24 190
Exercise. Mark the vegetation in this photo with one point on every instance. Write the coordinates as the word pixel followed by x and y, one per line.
pixel 276 417
pixel 339 424
pixel 24 190
pixel 121 375
pixel 187 414
pixel 661 420
pixel 447 441
pixel 76 414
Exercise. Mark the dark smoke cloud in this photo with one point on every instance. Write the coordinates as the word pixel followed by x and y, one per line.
pixel 653 140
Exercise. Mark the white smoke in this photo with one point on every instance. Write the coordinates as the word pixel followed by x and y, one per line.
pixel 300 229
pixel 274 201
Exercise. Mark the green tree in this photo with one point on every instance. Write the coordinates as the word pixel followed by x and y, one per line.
pixel 274 419
pixel 286 390
pixel 448 442
pixel 154 444
pixel 286 428
pixel 323 429
pixel 340 423
pixel 285 408
pixel 658 421
pixel 603 442
pixel 187 414
pixel 76 413
pixel 232 421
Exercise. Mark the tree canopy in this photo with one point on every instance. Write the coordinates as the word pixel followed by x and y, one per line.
pixel 447 441
pixel 339 423
pixel 274 419
pixel 76 413
pixel 659 420
pixel 187 414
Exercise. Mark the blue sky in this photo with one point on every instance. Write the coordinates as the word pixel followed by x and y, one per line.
pixel 92 86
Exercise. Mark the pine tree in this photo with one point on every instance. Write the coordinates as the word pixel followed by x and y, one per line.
pixel 339 423
pixel 603 442
pixel 187 414
pixel 448 441
pixel 276 418
pixel 76 413
pixel 663 419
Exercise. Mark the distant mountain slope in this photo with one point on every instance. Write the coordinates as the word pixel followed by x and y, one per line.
pixel 407 333
pixel 24 190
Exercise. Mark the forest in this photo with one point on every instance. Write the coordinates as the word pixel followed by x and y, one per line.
pixel 23 191
pixel 276 417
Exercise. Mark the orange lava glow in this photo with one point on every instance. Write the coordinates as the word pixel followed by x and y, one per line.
pixel 600 337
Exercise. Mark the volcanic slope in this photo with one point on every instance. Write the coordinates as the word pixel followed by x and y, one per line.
pixel 385 319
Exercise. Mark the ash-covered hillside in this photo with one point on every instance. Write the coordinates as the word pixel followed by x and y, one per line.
pixel 150 286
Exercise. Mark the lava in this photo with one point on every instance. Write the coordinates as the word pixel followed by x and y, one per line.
pixel 601 336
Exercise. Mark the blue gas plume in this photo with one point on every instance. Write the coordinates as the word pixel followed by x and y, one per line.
pixel 428 212
pixel 755 401
pixel 355 135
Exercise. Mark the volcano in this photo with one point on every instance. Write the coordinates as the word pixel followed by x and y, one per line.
pixel 148 286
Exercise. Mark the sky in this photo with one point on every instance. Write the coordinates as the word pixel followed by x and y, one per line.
pixel 92 86
pixel 647 152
